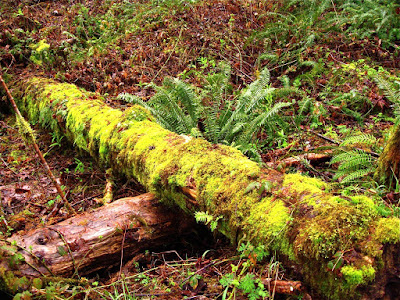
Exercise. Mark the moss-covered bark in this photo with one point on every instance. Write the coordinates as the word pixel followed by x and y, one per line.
pixel 388 171
pixel 337 243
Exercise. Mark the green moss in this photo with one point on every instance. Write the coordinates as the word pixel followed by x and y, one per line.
pixel 268 220
pixel 138 113
pixel 308 189
pixel 299 218
pixel 355 276
pixel 38 50
pixel 268 223
pixel 387 230
pixel 335 226
pixel 11 283
pixel 26 295
pixel 17 156
pixel 364 202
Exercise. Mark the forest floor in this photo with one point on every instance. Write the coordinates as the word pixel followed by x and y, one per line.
pixel 119 46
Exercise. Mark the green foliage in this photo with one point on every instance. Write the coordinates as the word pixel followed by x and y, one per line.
pixel 237 122
pixel 39 52
pixel 242 280
pixel 391 89
pixel 356 276
pixel 233 122
pixel 204 217
pixel 175 106
pixel 369 18
pixel 93 34
pixel 287 36
pixel 355 164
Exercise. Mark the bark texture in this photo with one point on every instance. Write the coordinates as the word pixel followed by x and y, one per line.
pixel 388 171
pixel 91 241
pixel 341 246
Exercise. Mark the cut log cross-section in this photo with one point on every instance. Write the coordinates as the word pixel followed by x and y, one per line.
pixel 342 246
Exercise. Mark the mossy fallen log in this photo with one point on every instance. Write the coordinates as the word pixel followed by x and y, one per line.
pixel 341 246
pixel 90 241
pixel 388 171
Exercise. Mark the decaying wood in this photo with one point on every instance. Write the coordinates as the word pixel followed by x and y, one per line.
pixel 286 287
pixel 291 215
pixel 97 239
pixel 298 159
pixel 388 171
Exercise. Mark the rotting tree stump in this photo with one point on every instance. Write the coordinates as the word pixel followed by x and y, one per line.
pixel 94 240
pixel 341 246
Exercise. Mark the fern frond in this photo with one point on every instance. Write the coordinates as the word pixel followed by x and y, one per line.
pixel 352 159
pixel 187 98
pixel 304 106
pixel 356 160
pixel 361 139
pixel 165 102
pixel 391 93
pixel 133 99
pixel 285 81
pixel 203 217
pixel 353 165
pixel 353 176
pixel 265 118
pixel 211 124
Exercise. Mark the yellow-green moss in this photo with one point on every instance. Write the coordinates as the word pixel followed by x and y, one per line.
pixel 354 276
pixel 268 219
pixel 387 230
pixel 37 51
pixel 307 188
pixel 335 226
pixel 11 283
pixel 298 218
pixel 268 223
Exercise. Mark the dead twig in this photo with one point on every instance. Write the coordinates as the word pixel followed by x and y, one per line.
pixel 31 137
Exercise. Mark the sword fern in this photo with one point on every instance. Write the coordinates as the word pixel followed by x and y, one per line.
pixel 217 117
pixel 355 164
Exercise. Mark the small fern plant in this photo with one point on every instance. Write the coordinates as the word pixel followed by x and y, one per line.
pixel 212 115
pixel 175 106
pixel 237 122
pixel 355 163
pixel 391 89
pixel 370 18
pixel 207 219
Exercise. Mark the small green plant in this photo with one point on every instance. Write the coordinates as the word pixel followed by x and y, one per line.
pixel 288 36
pixel 369 18
pixel 80 166
pixel 40 52
pixel 355 164
pixel 213 114
pixel 206 218
pixel 55 142
pixel 241 279
pixel 391 89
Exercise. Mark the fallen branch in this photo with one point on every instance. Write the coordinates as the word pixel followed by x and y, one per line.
pixel 95 240
pixel 31 139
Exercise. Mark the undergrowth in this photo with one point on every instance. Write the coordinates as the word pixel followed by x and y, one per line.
pixel 215 114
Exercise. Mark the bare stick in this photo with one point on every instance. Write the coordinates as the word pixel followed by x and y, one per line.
pixel 32 138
